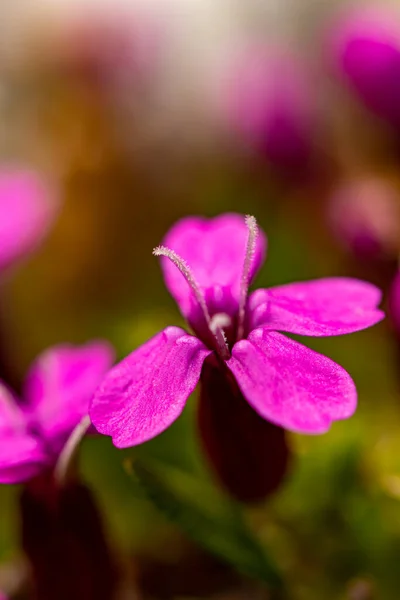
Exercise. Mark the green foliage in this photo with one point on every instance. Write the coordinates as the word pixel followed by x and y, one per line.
pixel 206 516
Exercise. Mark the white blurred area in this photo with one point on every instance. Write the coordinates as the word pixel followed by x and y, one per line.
pixel 156 63
pixel 186 39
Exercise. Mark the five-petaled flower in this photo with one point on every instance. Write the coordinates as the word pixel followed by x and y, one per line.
pixel 57 391
pixel 208 267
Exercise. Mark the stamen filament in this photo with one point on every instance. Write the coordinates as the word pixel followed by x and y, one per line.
pixel 70 448
pixel 184 268
pixel 188 275
pixel 251 225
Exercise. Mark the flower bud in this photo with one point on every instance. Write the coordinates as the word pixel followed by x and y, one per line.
pixel 248 455
pixel 63 538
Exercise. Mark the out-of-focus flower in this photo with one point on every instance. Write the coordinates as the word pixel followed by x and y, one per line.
pixel 394 302
pixel 106 44
pixel 56 395
pixel 208 267
pixel 365 216
pixel 366 48
pixel 268 98
pixel 26 212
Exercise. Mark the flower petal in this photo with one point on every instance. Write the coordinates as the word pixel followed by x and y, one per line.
pixel 26 212
pixel 12 419
pixel 215 250
pixel 325 307
pixel 144 394
pixel 60 385
pixel 291 385
pixel 21 458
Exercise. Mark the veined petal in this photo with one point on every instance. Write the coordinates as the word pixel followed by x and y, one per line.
pixel 21 458
pixel 59 386
pixel 291 385
pixel 214 249
pixel 26 212
pixel 332 306
pixel 144 394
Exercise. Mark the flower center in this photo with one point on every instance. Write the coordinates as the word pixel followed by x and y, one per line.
pixel 220 322
pixel 213 325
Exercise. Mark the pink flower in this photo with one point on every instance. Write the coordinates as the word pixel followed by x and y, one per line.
pixel 55 398
pixel 267 100
pixel 26 212
pixel 208 267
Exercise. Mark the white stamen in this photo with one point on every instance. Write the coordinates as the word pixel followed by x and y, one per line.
pixel 220 321
pixel 251 225
pixel 69 450
pixel 188 275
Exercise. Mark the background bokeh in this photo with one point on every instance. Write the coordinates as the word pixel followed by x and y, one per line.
pixel 143 112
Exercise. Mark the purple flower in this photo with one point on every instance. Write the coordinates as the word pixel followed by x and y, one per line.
pixel 237 351
pixel 55 398
pixel 366 47
pixel 266 99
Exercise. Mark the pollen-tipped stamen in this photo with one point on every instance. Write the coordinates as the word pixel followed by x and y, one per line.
pixel 252 228
pixel 184 268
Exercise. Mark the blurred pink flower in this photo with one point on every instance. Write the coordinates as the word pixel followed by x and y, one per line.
pixel 365 45
pixel 208 267
pixel 27 209
pixel 56 396
pixel 269 98
pixel 394 302
pixel 364 214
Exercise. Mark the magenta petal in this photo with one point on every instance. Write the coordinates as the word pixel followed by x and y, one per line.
pixel 21 458
pixel 60 384
pixel 142 395
pixel 291 385
pixel 325 307
pixel 26 212
pixel 12 419
pixel 20 454
pixel 214 249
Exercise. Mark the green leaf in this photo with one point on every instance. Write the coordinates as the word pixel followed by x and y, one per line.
pixel 206 516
